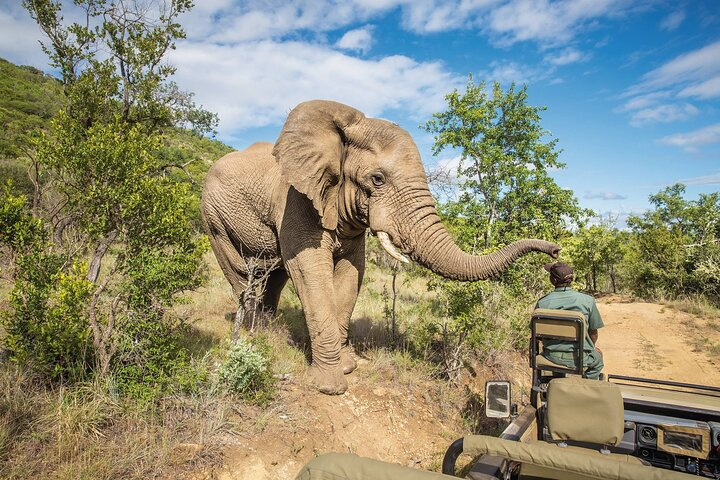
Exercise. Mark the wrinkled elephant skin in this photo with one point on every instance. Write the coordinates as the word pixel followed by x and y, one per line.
pixel 308 200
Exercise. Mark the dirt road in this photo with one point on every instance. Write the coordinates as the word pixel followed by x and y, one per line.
pixel 652 341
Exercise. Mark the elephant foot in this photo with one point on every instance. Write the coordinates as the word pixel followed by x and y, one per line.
pixel 347 360
pixel 329 381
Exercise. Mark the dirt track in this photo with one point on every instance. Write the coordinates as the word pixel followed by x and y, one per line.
pixel 652 341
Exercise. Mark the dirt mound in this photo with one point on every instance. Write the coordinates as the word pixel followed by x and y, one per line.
pixel 377 419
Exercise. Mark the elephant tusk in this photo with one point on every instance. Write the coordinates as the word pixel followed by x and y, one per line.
pixel 390 248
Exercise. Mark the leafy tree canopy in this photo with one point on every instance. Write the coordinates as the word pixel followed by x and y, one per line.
pixel 506 191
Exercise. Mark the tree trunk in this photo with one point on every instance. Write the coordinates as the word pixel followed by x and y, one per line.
pixel 100 251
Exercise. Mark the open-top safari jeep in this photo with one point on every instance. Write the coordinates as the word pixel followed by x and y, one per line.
pixel 574 428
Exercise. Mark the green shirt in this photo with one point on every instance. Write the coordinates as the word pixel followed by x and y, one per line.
pixel 565 298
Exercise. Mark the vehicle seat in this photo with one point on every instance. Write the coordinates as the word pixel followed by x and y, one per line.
pixel 587 413
pixel 544 461
pixel 564 325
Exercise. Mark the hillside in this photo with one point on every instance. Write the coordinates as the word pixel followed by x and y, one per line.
pixel 30 98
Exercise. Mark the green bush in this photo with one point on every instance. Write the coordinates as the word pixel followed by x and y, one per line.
pixel 151 360
pixel 247 370
pixel 19 231
pixel 471 321
pixel 46 323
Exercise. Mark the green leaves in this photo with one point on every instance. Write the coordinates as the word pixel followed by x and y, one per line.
pixel 506 191
pixel 676 246
pixel 247 370
pixel 127 243
pixel 20 232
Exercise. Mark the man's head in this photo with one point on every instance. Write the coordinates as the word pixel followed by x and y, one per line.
pixel 561 274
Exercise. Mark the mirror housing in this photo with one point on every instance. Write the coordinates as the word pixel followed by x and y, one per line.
pixel 498 399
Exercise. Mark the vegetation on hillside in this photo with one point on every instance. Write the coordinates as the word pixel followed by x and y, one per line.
pixel 116 209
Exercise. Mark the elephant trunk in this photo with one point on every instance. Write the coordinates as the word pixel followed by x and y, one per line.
pixel 427 241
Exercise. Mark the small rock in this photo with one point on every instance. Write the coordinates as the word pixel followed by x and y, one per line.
pixel 380 392
pixel 413 462
pixel 191 447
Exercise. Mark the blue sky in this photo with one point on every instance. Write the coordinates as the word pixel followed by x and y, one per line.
pixel 632 87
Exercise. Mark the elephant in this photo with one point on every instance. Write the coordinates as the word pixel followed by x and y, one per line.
pixel 305 204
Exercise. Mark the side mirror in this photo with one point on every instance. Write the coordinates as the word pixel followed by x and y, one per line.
pixel 497 399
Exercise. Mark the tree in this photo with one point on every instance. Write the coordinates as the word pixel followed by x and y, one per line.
pixel 117 202
pixel 676 246
pixel 596 252
pixel 505 190
pixel 505 193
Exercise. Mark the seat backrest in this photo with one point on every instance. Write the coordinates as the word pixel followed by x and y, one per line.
pixel 583 410
pixel 560 324
pixel 563 325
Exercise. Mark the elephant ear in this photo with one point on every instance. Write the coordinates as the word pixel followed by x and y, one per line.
pixel 311 149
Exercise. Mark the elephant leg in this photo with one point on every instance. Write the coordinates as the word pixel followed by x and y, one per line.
pixel 231 262
pixel 349 270
pixel 311 269
pixel 273 288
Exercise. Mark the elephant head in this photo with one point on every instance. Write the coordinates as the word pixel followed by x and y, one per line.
pixel 362 172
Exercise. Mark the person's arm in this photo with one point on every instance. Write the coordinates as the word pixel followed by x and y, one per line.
pixel 594 324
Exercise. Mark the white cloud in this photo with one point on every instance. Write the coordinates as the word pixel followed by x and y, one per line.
pixel 694 74
pixel 224 21
pixel 665 113
pixel 711 179
pixel 616 217
pixel 507 72
pixel 548 22
pixel 567 56
pixel 691 140
pixel 695 66
pixel 449 165
pixel 257 83
pixel 704 90
pixel 672 21
pixel 19 36
pixel 508 21
pixel 644 101
pixel 604 196
pixel 359 39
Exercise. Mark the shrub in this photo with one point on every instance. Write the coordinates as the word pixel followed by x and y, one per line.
pixel 46 325
pixel 471 321
pixel 151 360
pixel 247 370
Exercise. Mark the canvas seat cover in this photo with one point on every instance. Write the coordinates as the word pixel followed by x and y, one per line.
pixel 585 410
pixel 565 463
pixel 529 471
pixel 345 466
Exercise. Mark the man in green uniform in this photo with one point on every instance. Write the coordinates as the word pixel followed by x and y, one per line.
pixel 565 298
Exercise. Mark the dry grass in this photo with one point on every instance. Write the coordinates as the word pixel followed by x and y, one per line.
pixel 697 305
pixel 85 432
pixel 703 328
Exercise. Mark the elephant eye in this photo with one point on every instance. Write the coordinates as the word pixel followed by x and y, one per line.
pixel 378 179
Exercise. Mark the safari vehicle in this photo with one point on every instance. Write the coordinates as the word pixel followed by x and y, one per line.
pixel 619 428
pixel 576 428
